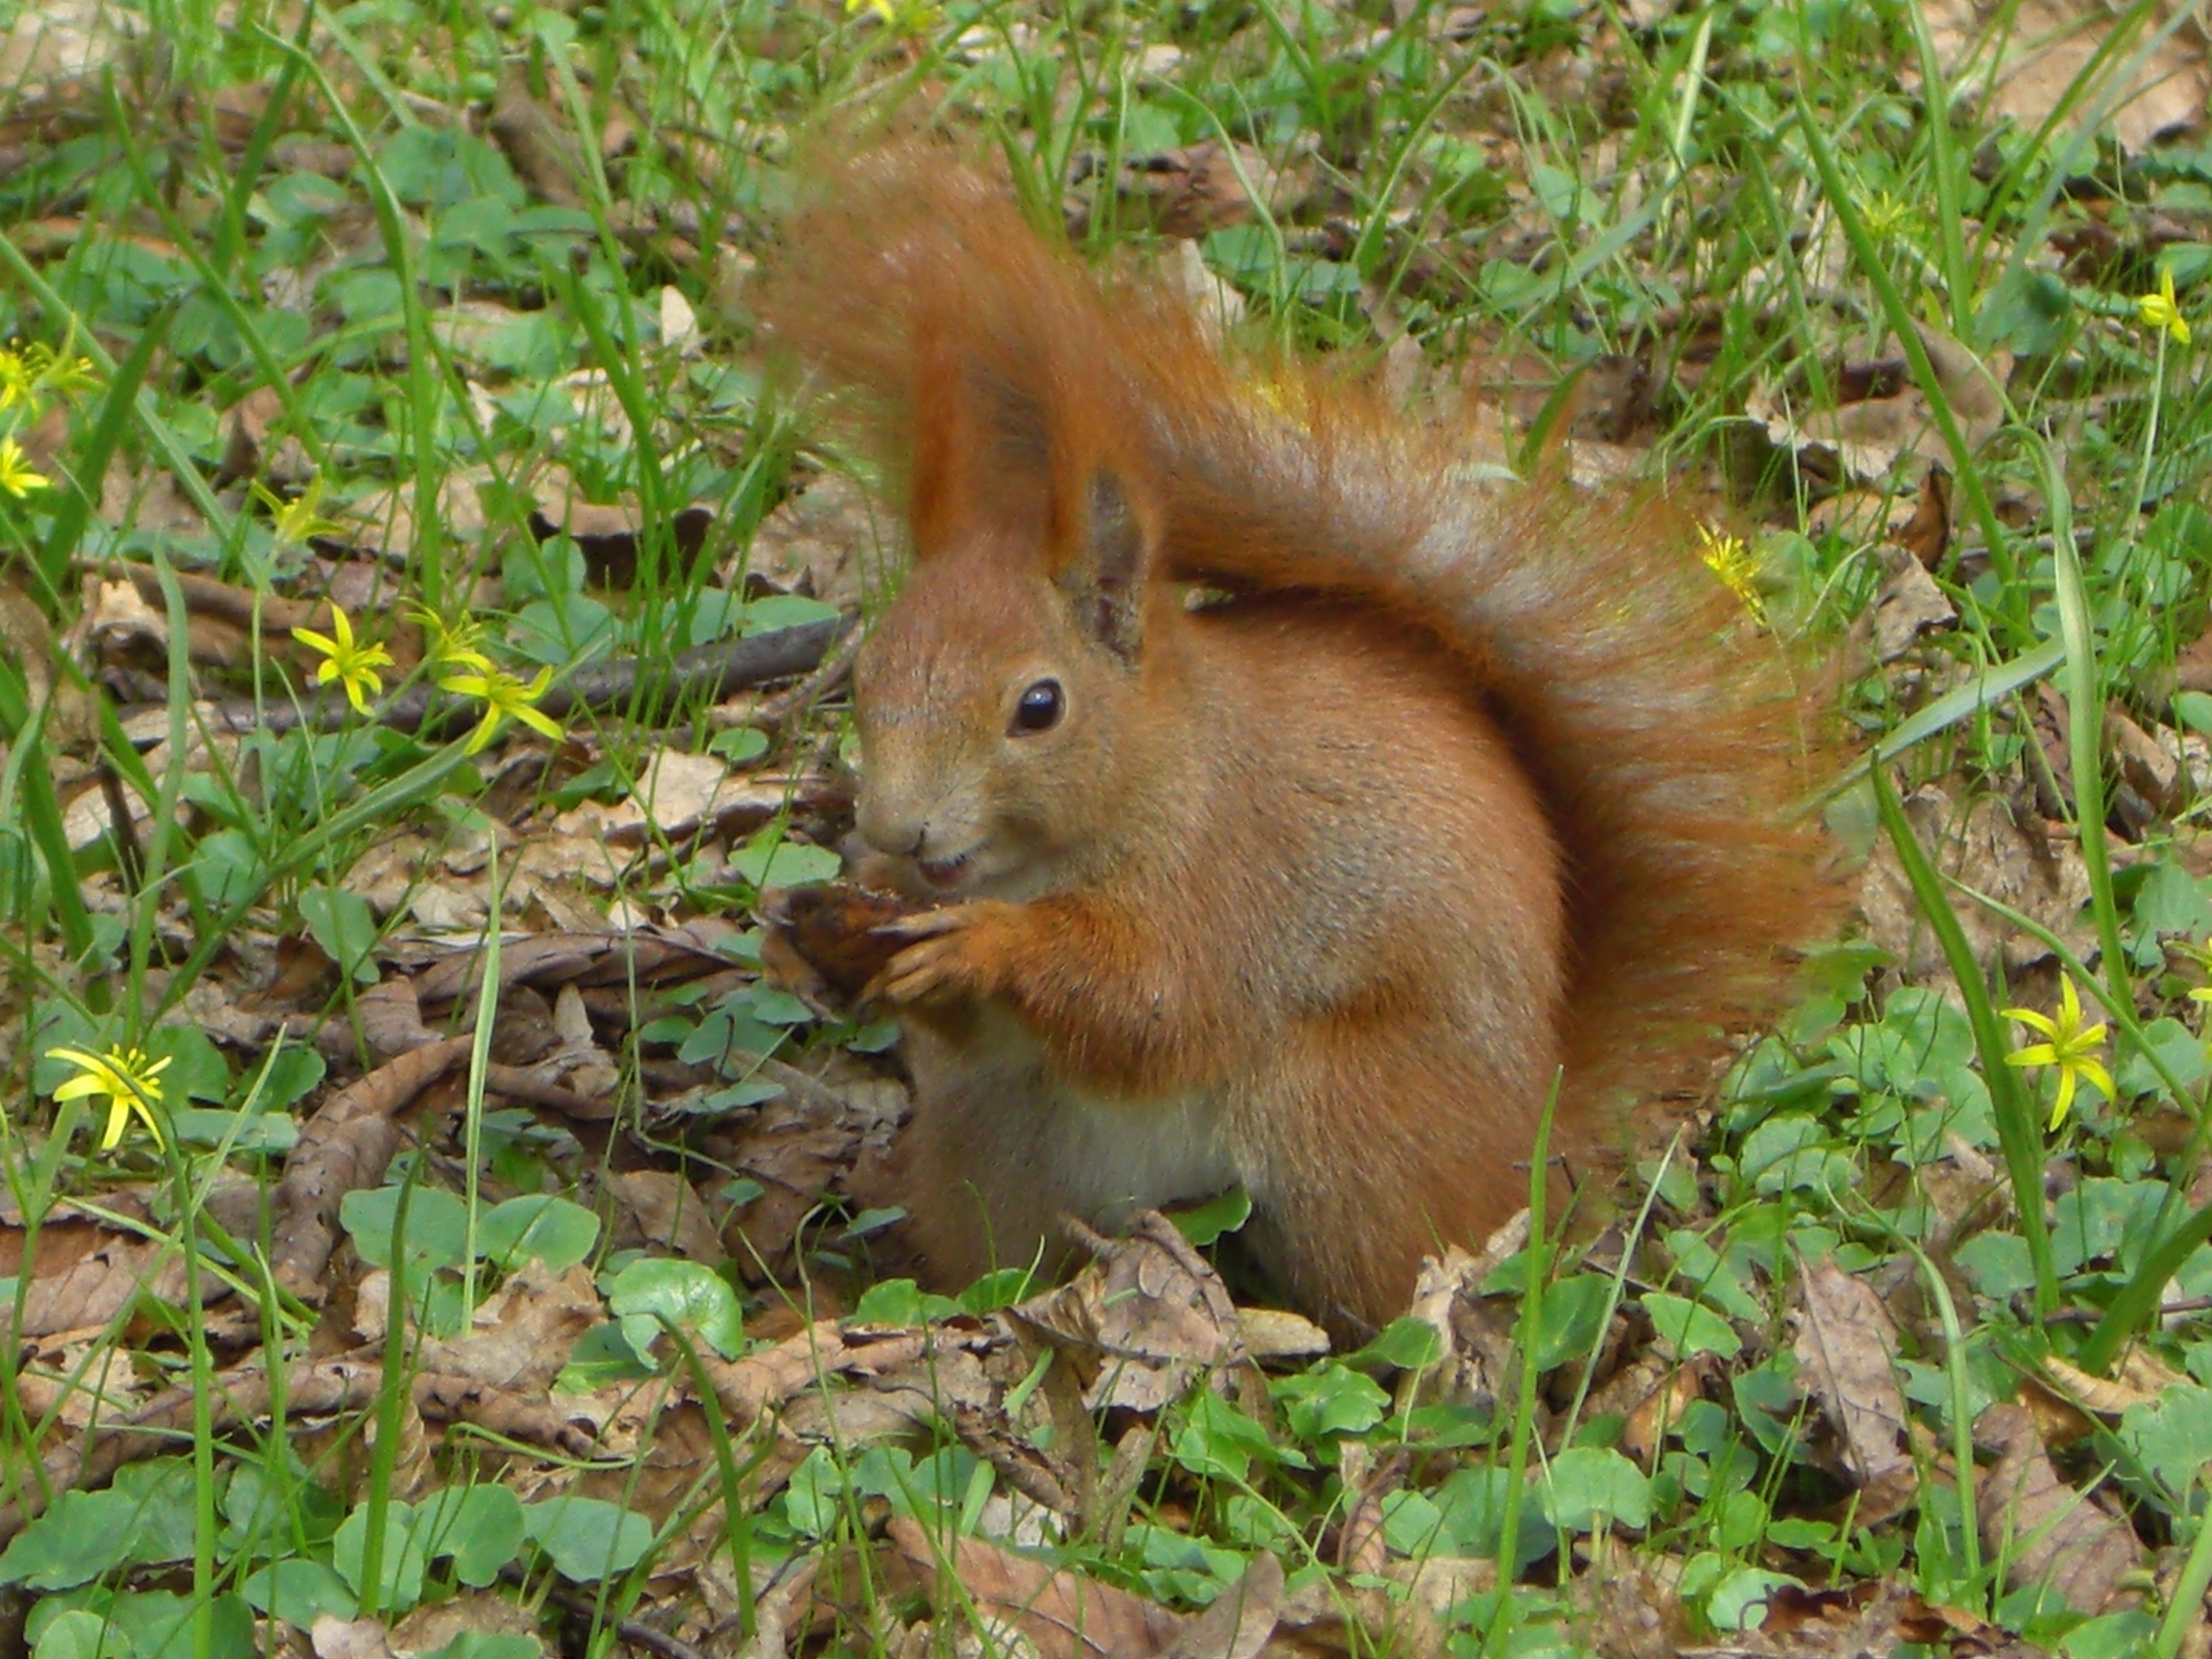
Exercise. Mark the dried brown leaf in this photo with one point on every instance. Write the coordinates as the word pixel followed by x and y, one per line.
pixel 1141 1320
pixel 1846 1346
pixel 346 1144
pixel 2048 1531
pixel 1066 1615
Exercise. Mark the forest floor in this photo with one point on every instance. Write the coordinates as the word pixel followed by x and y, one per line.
pixel 399 533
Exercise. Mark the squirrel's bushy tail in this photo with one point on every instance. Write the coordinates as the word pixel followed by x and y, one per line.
pixel 1658 722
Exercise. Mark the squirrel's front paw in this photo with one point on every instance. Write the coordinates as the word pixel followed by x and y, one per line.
pixel 953 954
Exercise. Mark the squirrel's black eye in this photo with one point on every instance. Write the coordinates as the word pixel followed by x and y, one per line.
pixel 1040 708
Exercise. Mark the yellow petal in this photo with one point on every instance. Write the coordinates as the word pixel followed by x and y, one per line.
pixel 2029 1017
pixel 538 720
pixel 2070 1003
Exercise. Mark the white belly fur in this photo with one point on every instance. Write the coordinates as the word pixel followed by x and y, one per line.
pixel 1121 1156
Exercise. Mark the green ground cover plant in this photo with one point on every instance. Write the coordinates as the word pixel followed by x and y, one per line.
pixel 423 622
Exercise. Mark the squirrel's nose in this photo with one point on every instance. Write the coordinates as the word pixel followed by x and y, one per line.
pixel 900 837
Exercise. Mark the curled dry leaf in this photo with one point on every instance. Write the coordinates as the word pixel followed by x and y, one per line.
pixel 1477 1342
pixel 1275 1335
pixel 826 541
pixel 1241 1620
pixel 480 1613
pixel 1042 1476
pixel 798 1146
pixel 1846 1344
pixel 1927 534
pixel 87 1275
pixel 2147 767
pixel 27 642
pixel 523 1334
pixel 661 1208
pixel 1361 1547
pixel 546 156
pixel 346 1144
pixel 653 956
pixel 352 1638
pixel 1145 1318
pixel 1188 191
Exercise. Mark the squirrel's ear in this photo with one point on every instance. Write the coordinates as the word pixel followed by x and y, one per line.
pixel 1105 580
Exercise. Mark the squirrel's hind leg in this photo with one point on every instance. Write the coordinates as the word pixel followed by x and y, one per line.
pixel 1363 1158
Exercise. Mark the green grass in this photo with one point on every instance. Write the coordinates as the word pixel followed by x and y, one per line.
pixel 449 328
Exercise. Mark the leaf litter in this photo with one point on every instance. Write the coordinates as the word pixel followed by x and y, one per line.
pixel 704 1116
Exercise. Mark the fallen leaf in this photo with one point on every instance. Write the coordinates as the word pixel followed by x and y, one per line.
pixel 1846 1348
pixel 1143 1318
pixel 2048 1532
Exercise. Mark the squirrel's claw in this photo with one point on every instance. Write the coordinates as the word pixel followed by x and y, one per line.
pixel 939 962
pixel 946 958
pixel 925 924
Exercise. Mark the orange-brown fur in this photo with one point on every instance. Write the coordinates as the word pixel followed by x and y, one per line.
pixel 1312 888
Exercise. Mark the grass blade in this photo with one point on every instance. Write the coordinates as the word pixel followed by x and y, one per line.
pixel 2018 1132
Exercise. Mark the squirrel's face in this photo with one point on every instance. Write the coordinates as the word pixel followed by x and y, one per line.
pixel 985 714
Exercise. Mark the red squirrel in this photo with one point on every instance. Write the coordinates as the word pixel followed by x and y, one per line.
pixel 1298 809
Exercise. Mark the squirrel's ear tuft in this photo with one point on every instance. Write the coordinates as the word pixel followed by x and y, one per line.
pixel 1105 580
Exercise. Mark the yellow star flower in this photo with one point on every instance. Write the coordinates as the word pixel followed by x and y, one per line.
pixel 298 521
pixel 1732 560
pixel 130 1080
pixel 505 697
pixel 17 476
pixel 2072 1047
pixel 18 381
pixel 56 372
pixel 2162 311
pixel 346 661
pixel 448 648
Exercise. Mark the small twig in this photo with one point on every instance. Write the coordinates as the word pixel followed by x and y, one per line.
pixel 2187 1304
pixel 786 707
pixel 129 861
pixel 633 1631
